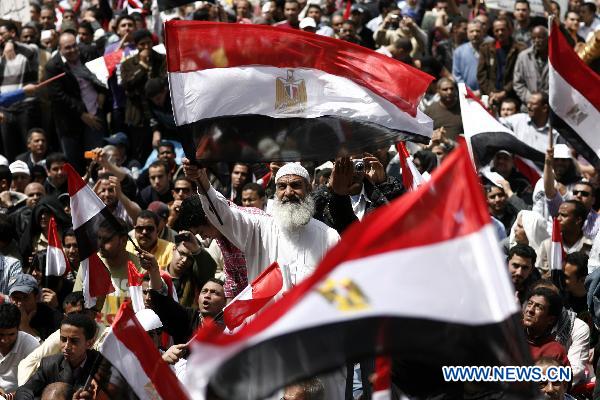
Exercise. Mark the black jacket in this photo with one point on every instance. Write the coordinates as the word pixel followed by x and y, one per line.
pixel 55 369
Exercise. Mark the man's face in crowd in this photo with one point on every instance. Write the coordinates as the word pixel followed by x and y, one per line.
pixel 496 199
pixel 508 108
pixel 28 35
pixel 182 190
pixel 503 164
pixel 85 36
pixel 25 301
pixel 250 198
pixel 5 34
pixel 47 19
pixel 572 281
pixel 239 176
pixel 68 15
pixel 519 268
pixel 146 294
pixel 441 6
pixel 536 107
pixel 8 338
pixel 521 12
pixel 572 21
pixel 146 233
pixel 539 39
pixel 447 92
pixel 126 27
pixel 536 315
pixel 566 218
pixel 68 48
pixel 167 154
pixel 520 234
pixel 56 173
pixel 145 44
pixel 575 5
pixel 212 299
pixel 585 195
pixel 243 9
pixel 484 21
pixel 291 11
pixel 182 259
pixel 159 180
pixel 336 23
pixel 501 31
pixel 314 13
pixel 34 192
pixel 107 193
pixel 71 250
pixel 291 188
pixel 110 244
pixel 347 32
pixel 272 9
pixel 460 32
pixel 73 344
pixel 474 33
pixel 586 15
pixel 20 182
pixel 34 14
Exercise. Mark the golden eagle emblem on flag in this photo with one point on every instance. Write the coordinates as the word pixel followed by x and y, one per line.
pixel 344 294
pixel 290 94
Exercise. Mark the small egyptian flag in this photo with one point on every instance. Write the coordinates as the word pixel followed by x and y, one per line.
pixel 56 261
pixel 557 254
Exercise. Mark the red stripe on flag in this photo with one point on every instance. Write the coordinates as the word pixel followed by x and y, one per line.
pixel 54 241
pixel 528 169
pixel 134 277
pixel 348 9
pixel 112 60
pixel 383 370
pixel 75 183
pixel 226 45
pixel 407 178
pixel 99 277
pixel 567 64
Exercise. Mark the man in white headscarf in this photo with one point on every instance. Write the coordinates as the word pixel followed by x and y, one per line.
pixel 530 228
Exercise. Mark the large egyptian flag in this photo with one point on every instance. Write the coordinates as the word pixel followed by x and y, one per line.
pixel 260 93
pixel 422 279
pixel 87 213
pixel 485 135
pixel 574 97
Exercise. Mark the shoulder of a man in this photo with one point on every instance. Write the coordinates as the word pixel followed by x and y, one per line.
pixel 26 343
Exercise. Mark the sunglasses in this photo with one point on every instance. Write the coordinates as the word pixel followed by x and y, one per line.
pixel 182 190
pixel 581 192
pixel 147 228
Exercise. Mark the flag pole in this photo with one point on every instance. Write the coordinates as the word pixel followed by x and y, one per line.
pixel 93 370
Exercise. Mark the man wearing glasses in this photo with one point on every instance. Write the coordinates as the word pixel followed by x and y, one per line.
pixel 146 237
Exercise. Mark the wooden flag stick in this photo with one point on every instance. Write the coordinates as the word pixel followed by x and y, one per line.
pixel 47 81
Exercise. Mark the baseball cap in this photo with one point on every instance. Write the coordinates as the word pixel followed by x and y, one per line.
pixel 23 283
pixel 116 139
pixel 148 319
pixel 159 208
pixel 19 167
pixel 562 151
pixel 506 152
pixel 357 8
pixel 308 22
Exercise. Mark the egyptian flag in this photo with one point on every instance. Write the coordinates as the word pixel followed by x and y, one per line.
pixel 368 297
pixel 56 261
pixel 104 67
pixel 134 278
pixel 258 93
pixel 382 383
pixel 574 97
pixel 254 297
pixel 485 135
pixel 411 177
pixel 557 254
pixel 88 212
pixel 129 349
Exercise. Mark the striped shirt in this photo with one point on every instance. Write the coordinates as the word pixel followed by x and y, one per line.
pixel 9 269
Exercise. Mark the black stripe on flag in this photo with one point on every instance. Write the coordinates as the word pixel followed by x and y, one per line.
pixel 87 234
pixel 485 145
pixel 259 138
pixel 254 372
pixel 576 141
pixel 168 4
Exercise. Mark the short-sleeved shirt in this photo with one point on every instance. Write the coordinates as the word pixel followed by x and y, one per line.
pixel 9 363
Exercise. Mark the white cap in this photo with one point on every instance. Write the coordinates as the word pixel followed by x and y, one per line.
pixel 148 319
pixel 562 151
pixel 292 169
pixel 325 165
pixel 3 160
pixel 266 7
pixel 19 167
pixel 308 22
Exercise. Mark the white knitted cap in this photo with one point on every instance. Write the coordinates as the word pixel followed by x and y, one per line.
pixel 148 319
pixel 292 169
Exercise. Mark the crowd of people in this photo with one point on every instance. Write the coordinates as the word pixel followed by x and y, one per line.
pixel 199 235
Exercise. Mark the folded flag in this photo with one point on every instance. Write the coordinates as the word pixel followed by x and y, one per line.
pixel 129 349
pixel 88 212
pixel 485 135
pixel 254 297
pixel 56 261
pixel 295 96
pixel 135 287
pixel 557 255
pixel 104 67
pixel 367 297
pixel 411 177
pixel 574 97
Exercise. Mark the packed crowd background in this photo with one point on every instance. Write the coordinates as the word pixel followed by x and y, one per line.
pixel 122 139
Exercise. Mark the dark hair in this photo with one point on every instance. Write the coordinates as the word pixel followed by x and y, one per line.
pixel 580 211
pixel 586 183
pixel 523 2
pixel 68 232
pixel 590 6
pixel 383 4
pixel 46 7
pixel 188 180
pixel 580 260
pixel 349 22
pixel 114 225
pixel 81 321
pixel 5 174
pixel 54 158
pixel 35 130
pixel 216 280
pixel 147 214
pixel 141 34
pixel 191 213
pixel 35 6
pixel 87 26
pixel 313 5
pixel 524 251
pixel 488 188
pixel 256 187
pixel 10 316
pixel 7 230
pixel 544 96
pixel 511 100
pixel 555 303
pixel 10 26
pixel 72 299
pixel 159 163
pixel 457 20
pixel 404 44
pixel 122 17
pixel 202 14
pixel 166 143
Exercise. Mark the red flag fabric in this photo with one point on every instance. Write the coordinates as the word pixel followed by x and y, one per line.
pixel 411 177
pixel 254 297
pixel 135 287
pixel 56 261
pixel 383 382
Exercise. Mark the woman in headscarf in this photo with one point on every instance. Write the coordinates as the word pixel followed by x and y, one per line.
pixel 530 228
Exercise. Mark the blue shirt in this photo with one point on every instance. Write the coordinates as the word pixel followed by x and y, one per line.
pixel 464 65
pixel 8 98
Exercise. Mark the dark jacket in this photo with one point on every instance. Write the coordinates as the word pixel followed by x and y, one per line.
pixel 55 369
pixel 486 70
pixel 65 95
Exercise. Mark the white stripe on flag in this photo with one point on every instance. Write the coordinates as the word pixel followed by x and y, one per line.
pixel 98 67
pixel 85 268
pixel 326 94
pixel 137 298
pixel 555 256
pixel 85 205
pixel 382 395
pixel 56 264
pixel 572 107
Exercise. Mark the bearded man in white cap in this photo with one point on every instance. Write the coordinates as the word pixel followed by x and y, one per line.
pixel 291 236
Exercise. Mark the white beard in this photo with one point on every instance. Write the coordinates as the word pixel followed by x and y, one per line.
pixel 292 216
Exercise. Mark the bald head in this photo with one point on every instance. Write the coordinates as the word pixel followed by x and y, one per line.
pixel 67 46
pixel 57 391
pixel 539 40
pixel 34 192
